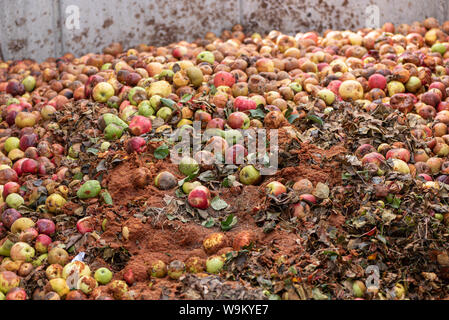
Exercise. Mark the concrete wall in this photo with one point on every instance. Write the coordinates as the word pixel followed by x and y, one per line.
pixel 39 29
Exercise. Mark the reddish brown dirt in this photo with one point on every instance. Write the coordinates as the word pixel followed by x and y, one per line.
pixel 325 169
pixel 168 240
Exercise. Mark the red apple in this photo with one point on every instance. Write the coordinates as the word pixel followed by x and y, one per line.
pixel 91 83
pixel 310 198
pixel 46 226
pixel 10 187
pixel 244 104
pixel 377 81
pixel 199 197
pixel 11 117
pixel 398 153
pixel 223 78
pixel 84 225
pixel 431 98
pixel 28 140
pixel 216 123
pixel 179 52
pixel 276 188
pixel 238 120
pixel 42 243
pixel 334 85
pixel 443 105
pixel 129 277
pixel 9 216
pixel 15 88
pixel 363 150
pixel 8 174
pixel 32 153
pixel 139 125
pixel 14 107
pixel 29 166
pixel 242 239
pixel 235 154
pixel 136 144
pixel 16 294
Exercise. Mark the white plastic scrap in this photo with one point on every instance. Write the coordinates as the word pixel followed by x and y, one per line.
pixel 79 257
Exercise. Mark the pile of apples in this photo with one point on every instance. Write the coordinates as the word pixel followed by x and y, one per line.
pixel 223 82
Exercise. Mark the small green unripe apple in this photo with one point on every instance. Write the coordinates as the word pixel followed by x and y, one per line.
pixel 249 175
pixel 103 275
pixel 206 56
pixel 12 143
pixel 214 264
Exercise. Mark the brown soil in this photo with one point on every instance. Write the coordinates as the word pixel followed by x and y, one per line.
pixel 160 238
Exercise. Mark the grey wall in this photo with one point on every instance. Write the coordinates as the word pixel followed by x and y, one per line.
pixel 37 28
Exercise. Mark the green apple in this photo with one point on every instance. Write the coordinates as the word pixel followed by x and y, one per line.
pixel 58 256
pixel 155 102
pixel 40 260
pixel 108 118
pixel 12 143
pixel 60 286
pixel 212 132
pixel 106 66
pixel 90 189
pixel 358 288
pixel 54 271
pixel 128 113
pixel 145 108
pixel 5 249
pixel 195 75
pixel 103 91
pixel 327 95
pixel 164 113
pixel 161 88
pixel 137 95
pixel 188 166
pixel 249 175
pixel 14 200
pixel 189 186
pixel 87 284
pixel 113 102
pixel 113 132
pixel 78 267
pixel 439 47
pixel 296 87
pixel 119 289
pixel 105 146
pixel 12 101
pixel 214 264
pixel 166 74
pixel 29 83
pixel 103 275
pixel 206 56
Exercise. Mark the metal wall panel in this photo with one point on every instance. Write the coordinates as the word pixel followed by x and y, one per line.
pixel 46 28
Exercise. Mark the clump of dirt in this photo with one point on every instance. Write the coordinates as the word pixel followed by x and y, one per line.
pixel 316 164
pixel 124 191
